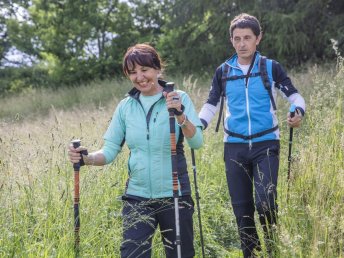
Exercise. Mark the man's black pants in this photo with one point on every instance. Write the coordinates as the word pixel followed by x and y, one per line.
pixel 247 170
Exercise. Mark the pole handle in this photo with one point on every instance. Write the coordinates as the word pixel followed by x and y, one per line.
pixel 76 143
pixel 169 87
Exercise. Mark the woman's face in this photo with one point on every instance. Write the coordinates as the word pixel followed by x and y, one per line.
pixel 145 79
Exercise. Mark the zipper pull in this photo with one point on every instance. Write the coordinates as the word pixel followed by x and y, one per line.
pixel 147 134
pixel 154 120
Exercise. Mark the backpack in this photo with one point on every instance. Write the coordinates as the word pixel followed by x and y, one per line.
pixel 263 73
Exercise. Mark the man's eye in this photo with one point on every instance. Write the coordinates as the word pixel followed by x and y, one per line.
pixel 132 72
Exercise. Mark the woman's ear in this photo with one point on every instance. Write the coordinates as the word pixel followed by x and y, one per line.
pixel 159 75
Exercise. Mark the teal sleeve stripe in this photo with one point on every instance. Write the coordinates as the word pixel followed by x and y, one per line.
pixel 196 141
pixel 110 151
pixel 115 134
pixel 190 110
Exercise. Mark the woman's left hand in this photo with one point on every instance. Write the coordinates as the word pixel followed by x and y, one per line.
pixel 173 100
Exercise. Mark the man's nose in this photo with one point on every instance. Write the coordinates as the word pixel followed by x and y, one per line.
pixel 242 43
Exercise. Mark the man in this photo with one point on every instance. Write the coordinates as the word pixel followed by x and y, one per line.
pixel 251 138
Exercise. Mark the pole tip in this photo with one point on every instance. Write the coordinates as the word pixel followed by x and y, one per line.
pixel 169 87
pixel 76 143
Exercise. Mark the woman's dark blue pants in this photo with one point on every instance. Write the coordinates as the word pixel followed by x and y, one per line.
pixel 141 218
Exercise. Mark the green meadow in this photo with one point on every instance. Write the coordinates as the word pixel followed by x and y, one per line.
pixel 36 182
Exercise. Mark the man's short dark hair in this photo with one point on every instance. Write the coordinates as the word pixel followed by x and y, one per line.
pixel 245 21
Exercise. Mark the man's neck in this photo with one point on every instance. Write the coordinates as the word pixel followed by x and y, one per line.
pixel 246 61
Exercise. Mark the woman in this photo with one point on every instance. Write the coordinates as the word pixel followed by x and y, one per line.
pixel 141 120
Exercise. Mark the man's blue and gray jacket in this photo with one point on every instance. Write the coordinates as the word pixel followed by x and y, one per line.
pixel 250 116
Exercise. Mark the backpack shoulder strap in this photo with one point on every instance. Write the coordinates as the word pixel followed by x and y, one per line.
pixel 265 79
pixel 224 78
pixel 225 70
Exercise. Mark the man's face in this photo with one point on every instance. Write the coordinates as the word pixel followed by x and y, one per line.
pixel 245 43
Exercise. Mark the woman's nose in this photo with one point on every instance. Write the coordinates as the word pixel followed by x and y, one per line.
pixel 139 76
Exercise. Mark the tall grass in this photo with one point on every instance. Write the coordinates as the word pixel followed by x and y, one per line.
pixel 35 102
pixel 36 183
pixel 312 222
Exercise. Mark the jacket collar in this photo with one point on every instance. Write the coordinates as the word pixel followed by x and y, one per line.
pixel 135 93
pixel 233 60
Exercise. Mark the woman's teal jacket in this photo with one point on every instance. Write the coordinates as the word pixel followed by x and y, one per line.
pixel 147 136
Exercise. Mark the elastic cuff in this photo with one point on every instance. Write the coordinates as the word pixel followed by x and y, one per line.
pixel 301 110
pixel 82 162
pixel 178 113
pixel 205 124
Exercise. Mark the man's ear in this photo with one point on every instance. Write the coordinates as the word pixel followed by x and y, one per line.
pixel 259 38
pixel 230 41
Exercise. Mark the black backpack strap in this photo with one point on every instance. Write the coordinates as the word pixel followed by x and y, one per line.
pixel 237 77
pixel 223 93
pixel 265 79
pixel 252 136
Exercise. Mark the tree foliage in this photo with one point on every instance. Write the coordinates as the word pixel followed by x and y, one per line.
pixel 74 41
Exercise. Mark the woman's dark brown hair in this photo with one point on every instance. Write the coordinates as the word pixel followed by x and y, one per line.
pixel 141 54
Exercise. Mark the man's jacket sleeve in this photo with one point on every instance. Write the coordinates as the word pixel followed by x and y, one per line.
pixel 211 106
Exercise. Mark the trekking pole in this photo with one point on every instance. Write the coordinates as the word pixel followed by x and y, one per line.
pixel 292 113
pixel 76 166
pixel 197 199
pixel 169 88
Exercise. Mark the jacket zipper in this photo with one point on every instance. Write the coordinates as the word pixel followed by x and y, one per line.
pixel 148 115
pixel 248 102
pixel 248 114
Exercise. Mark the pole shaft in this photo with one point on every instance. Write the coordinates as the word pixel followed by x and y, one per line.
pixel 197 199
pixel 175 180
pixel 76 166
pixel 172 121
pixel 289 152
pixel 292 114
pixel 76 209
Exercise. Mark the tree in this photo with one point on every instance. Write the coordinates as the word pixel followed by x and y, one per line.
pixel 75 41
pixel 10 11
pixel 196 36
pixel 82 40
